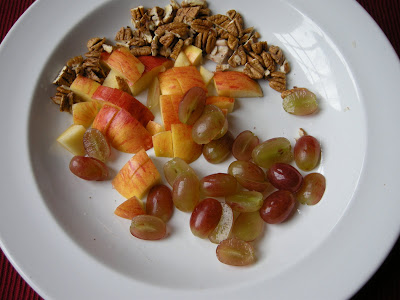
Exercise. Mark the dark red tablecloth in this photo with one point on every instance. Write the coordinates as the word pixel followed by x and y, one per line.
pixel 385 284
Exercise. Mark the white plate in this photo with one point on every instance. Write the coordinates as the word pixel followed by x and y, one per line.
pixel 60 232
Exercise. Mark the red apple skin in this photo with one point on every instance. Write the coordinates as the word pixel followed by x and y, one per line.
pixel 178 80
pixel 151 62
pixel 104 117
pixel 123 100
pixel 169 105
pixel 84 87
pixel 236 85
pixel 130 208
pixel 125 63
pixel 127 134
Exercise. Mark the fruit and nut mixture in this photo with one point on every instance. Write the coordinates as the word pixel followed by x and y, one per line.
pixel 163 55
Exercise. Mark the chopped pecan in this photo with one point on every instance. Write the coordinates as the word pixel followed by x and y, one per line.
pixel 188 41
pixel 124 34
pixel 156 14
pixel 276 54
pixel 254 69
pixel 169 14
pixel 206 41
pixel 137 41
pixel 221 52
pixel 167 39
pixel 187 14
pixel 257 57
pixel 285 67
pixel 137 14
pixel 177 49
pixel 179 29
pixel 233 42
pixel 65 77
pixel 269 62
pixel 222 67
pixel 65 98
pixel 154 45
pixel 165 51
pixel 95 73
pixel 220 20
pixel 278 81
pixel 258 47
pixel 75 64
pixel 204 13
pixel 95 43
pixel 145 34
pixel 188 3
pixel 238 58
pixel 199 25
pixel 139 51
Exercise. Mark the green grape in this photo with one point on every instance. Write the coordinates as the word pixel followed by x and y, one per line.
pixel 224 227
pixel 209 125
pixel 249 175
pixel 205 217
pixel 272 151
pixel 248 226
pixel 277 207
pixel 192 105
pixel 88 168
pixel 312 190
pixel 284 177
pixel 300 102
pixel 307 152
pixel 245 201
pixel 186 192
pixel 174 168
pixel 96 145
pixel 219 150
pixel 236 252
pixel 148 227
pixel 159 202
pixel 244 144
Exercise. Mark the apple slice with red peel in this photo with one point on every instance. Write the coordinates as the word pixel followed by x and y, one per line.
pixel 137 176
pixel 130 208
pixel 169 106
pixel 154 128
pixel 236 84
pixel 83 113
pixel 104 117
pixel 84 87
pixel 125 101
pixel 126 65
pixel 222 102
pixel 178 80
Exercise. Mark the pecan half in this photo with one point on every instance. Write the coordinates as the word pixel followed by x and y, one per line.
pixel 278 81
pixel 199 25
pixel 276 54
pixel 187 14
pixel 124 34
pixel 177 49
pixel 65 77
pixel 167 39
pixel 95 43
pixel 269 62
pixel 254 69
pixel 139 51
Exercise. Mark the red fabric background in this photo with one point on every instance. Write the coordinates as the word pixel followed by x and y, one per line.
pixel 385 284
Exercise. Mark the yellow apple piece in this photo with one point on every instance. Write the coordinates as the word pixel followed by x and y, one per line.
pixel 236 84
pixel 194 54
pixel 153 95
pixel 178 80
pixel 83 113
pixel 183 145
pixel 137 176
pixel 221 102
pixel 130 208
pixel 169 106
pixel 126 134
pixel 152 66
pixel 126 65
pixel 206 75
pixel 162 143
pixel 154 128
pixel 182 60
pixel 72 139
pixel 84 87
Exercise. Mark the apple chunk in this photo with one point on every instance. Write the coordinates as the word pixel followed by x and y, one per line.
pixel 130 208
pixel 154 128
pixel 236 84
pixel 194 54
pixel 182 60
pixel 84 87
pixel 137 176
pixel 72 139
pixel 162 143
pixel 183 145
pixel 83 113
pixel 222 102
pixel 104 117
pixel 207 75
pixel 126 65
pixel 169 106
pixel 178 80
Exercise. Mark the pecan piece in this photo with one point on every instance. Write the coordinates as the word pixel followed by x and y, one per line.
pixel 139 51
pixel 254 69
pixel 187 14
pixel 199 25
pixel 285 67
pixel 167 39
pixel 238 58
pixel 278 81
pixel 276 54
pixel 177 49
pixel 124 34
pixel 156 14
pixel 164 51
pixel 154 45
pixel 95 43
pixel 169 14
pixel 233 42
pixel 188 3
pixel 269 62
pixel 65 77
pixel 137 14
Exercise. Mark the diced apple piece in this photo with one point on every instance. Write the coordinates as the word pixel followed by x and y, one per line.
pixel 137 176
pixel 194 54
pixel 153 95
pixel 236 84
pixel 104 117
pixel 222 102
pixel 84 87
pixel 183 145
pixel 154 128
pixel 126 65
pixel 123 100
pixel 83 113
pixel 178 80
pixel 182 60
pixel 152 66
pixel 72 139
pixel 114 81
pixel 169 106
pixel 130 208
pixel 162 143
pixel 207 75
pixel 127 134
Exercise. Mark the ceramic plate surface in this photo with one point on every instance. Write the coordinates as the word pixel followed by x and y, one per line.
pixel 62 236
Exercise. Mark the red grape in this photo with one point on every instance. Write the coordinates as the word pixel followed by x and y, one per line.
pixel 159 202
pixel 277 207
pixel 284 177
pixel 205 217
pixel 88 168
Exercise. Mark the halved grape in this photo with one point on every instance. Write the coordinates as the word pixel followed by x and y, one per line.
pixel 218 185
pixel 244 144
pixel 249 175
pixel 192 105
pixel 175 167
pixel 300 102
pixel 148 227
pixel 312 190
pixel 277 207
pixel 217 151
pixel 186 192
pixel 223 130
pixel 284 177
pixel 209 125
pixel 245 201
pixel 159 202
pixel 88 168
pixel 224 227
pixel 272 151
pixel 248 226
pixel 307 152
pixel 205 217
pixel 96 145
pixel 236 252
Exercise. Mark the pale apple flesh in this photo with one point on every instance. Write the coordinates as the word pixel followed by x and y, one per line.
pixel 183 145
pixel 162 143
pixel 194 54
pixel 84 87
pixel 72 139
pixel 84 113
pixel 222 102
pixel 236 85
